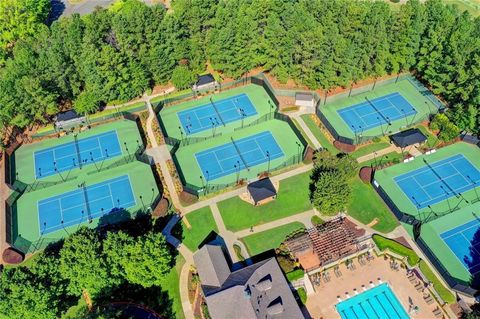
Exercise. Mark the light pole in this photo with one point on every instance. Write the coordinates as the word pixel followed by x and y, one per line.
pixel 268 156
pixel 474 185
pixel 298 149
pixel 236 171
pixel 181 132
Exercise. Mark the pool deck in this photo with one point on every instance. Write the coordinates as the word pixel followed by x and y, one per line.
pixel 322 303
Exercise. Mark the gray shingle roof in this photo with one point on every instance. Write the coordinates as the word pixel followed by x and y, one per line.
pixel 211 265
pixel 408 137
pixel 261 189
pixel 256 291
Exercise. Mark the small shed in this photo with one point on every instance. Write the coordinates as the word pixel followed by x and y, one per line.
pixel 408 137
pixel 206 81
pixel 261 191
pixel 304 99
pixel 68 119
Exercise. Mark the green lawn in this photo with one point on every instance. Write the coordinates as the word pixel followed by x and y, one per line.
pixel 367 205
pixel 202 223
pixel 443 292
pixel 319 134
pixel 380 160
pixel 293 198
pixel 269 239
pixel 432 140
pixel 370 148
pixel 171 284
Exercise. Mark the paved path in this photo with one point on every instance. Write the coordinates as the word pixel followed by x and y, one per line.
pixel 241 190
pixel 304 218
pixel 380 153
pixel 307 131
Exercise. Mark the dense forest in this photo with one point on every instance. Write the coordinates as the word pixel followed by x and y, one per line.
pixel 117 54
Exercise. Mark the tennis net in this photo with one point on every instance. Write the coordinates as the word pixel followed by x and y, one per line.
pixel 239 153
pixel 440 178
pixel 378 111
pixel 216 111
pixel 77 149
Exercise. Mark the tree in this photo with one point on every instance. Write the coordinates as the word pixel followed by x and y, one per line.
pixel 182 77
pixel 18 20
pixel 149 260
pixel 86 102
pixel 82 263
pixel 331 193
pixel 22 296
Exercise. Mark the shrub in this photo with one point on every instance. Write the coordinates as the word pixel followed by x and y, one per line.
pixel 395 247
pixel 302 294
pixel 316 220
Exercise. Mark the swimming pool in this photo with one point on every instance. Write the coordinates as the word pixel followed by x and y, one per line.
pixel 377 303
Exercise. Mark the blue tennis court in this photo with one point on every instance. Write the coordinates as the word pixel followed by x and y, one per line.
pixel 238 155
pixel 438 181
pixel 220 112
pixel 80 152
pixel 465 245
pixel 84 203
pixel 376 112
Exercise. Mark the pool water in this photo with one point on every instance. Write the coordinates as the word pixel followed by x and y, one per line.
pixel 376 303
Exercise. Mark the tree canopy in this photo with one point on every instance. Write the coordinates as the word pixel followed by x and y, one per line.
pixel 88 262
pixel 115 54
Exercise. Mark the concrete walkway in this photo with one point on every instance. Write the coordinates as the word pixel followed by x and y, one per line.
pixel 380 153
pixel 241 190
pixel 304 218
pixel 307 131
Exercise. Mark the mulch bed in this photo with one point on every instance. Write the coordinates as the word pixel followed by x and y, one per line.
pixel 344 147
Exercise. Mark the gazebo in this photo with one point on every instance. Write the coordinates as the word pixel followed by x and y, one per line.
pixel 408 138
pixel 261 191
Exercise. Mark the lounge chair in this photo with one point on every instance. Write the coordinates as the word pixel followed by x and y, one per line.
pixel 437 313
pixel 428 299
pixel 419 286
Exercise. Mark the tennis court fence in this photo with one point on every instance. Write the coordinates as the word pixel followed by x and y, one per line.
pixel 455 284
pixel 360 139
pixel 209 188
pixel 259 79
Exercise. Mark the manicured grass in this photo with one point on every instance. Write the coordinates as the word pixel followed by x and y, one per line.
pixel 135 106
pixel 432 140
pixel 269 239
pixel 171 284
pixel 367 205
pixel 322 139
pixel 293 198
pixel 385 243
pixel 370 148
pixel 202 223
pixel 386 158
pixel 443 292
pixel 295 275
